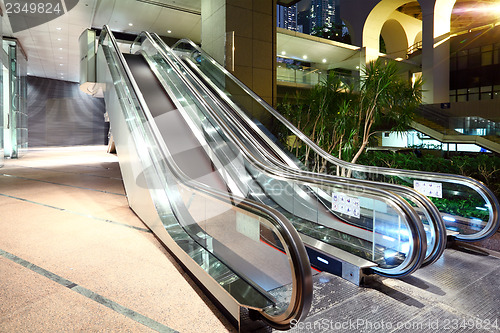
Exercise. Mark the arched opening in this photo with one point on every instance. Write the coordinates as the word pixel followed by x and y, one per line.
pixel 383 12
pixel 395 39
pixel 418 38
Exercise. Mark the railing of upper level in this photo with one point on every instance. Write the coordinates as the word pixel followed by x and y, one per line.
pixel 459 125
pixel 304 75
pixel 414 48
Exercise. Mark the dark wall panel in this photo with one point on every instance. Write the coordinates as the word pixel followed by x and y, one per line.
pixel 59 114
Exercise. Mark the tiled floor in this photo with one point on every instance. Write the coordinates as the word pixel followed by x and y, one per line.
pixel 74 257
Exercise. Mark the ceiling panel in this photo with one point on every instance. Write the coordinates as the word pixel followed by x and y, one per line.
pixel 298 46
pixel 56 42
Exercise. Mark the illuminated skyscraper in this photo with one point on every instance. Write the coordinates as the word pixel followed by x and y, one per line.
pixel 287 17
pixel 322 13
pixel 307 15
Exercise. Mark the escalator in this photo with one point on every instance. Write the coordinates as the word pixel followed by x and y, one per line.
pixel 230 219
pixel 377 228
pixel 247 256
pixel 469 210
pixel 269 153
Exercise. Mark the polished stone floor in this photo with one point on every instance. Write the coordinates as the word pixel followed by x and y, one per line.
pixel 74 257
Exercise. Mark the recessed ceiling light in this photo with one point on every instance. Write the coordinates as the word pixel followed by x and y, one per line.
pixel 59 39
pixel 283 53
pixel 305 57
pixel 60 64
pixel 130 24
pixel 59 28
pixel 169 31
pixel 324 60
pixel 60 48
pixel 357 67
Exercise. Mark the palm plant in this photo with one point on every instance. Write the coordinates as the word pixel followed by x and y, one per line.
pixel 384 97
pixel 342 120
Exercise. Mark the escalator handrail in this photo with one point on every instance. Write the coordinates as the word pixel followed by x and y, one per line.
pixel 431 211
pixel 493 223
pixel 405 210
pixel 300 267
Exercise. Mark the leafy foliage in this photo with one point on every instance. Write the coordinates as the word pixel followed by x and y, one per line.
pixel 485 168
pixel 342 118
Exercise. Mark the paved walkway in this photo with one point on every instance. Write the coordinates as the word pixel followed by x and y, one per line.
pixel 74 257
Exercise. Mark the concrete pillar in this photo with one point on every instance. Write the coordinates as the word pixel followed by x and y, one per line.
pixel 242 36
pixel 436 15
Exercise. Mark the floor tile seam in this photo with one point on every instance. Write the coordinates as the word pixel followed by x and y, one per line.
pixel 61 184
pixel 77 213
pixel 68 172
pixel 131 314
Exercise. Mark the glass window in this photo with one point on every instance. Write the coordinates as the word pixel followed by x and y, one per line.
pixel 461 98
pixel 462 62
pixel 453 96
pixel 486 89
pixel 487 48
pixel 473 97
pixel 496 57
pixel 474 57
pixel 485 95
pixel 462 91
pixel 453 64
pixel 486 58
